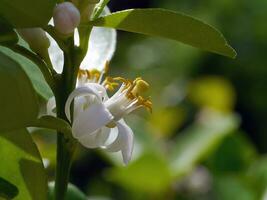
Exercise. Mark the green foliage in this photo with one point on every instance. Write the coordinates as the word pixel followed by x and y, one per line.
pixel 53 123
pixel 171 25
pixel 233 187
pixel 27 13
pixel 150 170
pixel 33 73
pixel 99 8
pixel 7 189
pixel 200 140
pixel 73 193
pixel 235 154
pixel 22 165
pixel 18 100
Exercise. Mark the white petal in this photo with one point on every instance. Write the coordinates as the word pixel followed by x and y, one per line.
pixel 81 91
pixel 89 140
pixel 56 55
pixel 90 120
pixel 95 139
pixel 100 88
pixel 102 45
pixel 124 141
pixel 103 136
pixel 51 106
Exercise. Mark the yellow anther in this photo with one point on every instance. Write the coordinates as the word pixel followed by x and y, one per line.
pixel 145 103
pixel 110 83
pixel 140 86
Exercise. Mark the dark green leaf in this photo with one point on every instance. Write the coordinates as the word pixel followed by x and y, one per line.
pixel 18 102
pixel 27 13
pixel 22 166
pixel 168 24
pixel 32 71
pixel 7 189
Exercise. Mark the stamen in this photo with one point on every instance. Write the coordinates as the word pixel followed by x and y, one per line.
pixel 141 86
pixel 147 103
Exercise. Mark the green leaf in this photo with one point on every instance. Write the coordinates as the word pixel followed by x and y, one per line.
pixel 27 13
pixel 150 170
pixel 33 73
pixel 7 34
pixel 22 166
pixel 234 155
pixel 54 123
pixel 18 102
pixel 229 187
pixel 171 25
pixel 73 193
pixel 199 140
pixel 7 189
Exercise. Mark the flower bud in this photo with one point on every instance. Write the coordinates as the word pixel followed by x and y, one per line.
pixel 66 17
pixel 36 38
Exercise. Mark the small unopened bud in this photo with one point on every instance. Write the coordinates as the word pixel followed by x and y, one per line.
pixel 36 38
pixel 66 17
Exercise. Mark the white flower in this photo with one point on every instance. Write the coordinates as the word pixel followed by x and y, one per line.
pixel 96 116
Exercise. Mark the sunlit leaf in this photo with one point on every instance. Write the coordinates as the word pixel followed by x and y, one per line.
pixel 171 25
pixel 22 166
pixel 18 102
pixel 27 13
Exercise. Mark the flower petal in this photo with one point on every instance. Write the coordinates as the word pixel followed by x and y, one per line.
pixel 91 119
pixel 103 136
pixel 95 139
pixel 89 140
pixel 56 54
pixel 102 46
pixel 124 141
pixel 81 91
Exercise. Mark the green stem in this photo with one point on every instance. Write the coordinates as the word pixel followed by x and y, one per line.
pixel 66 144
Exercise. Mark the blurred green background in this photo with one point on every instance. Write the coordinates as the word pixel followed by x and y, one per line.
pixel 207 136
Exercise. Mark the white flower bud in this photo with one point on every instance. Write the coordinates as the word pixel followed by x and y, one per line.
pixel 66 17
pixel 36 38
